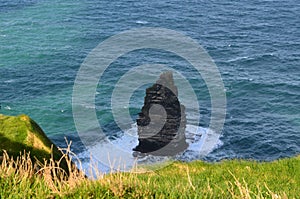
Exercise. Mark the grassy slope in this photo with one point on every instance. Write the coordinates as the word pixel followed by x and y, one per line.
pixel 234 178
pixel 228 179
pixel 21 133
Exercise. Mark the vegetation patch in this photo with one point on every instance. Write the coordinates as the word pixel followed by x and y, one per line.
pixel 198 179
pixel 20 134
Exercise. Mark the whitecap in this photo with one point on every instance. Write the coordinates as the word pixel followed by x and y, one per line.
pixel 9 81
pixel 238 59
pixel 89 106
pixel 141 22
pixel 7 108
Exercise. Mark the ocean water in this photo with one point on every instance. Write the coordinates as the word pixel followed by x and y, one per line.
pixel 255 45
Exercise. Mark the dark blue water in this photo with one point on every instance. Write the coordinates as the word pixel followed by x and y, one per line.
pixel 254 44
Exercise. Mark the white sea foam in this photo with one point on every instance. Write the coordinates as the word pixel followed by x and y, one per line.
pixel 141 22
pixel 239 58
pixel 88 106
pixel 7 108
pixel 9 81
pixel 118 153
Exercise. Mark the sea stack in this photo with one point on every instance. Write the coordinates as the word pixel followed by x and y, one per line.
pixel 162 121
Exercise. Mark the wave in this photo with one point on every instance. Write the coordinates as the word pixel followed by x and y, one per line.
pixel 7 107
pixel 141 22
pixel 10 80
pixel 252 58
pixel 117 154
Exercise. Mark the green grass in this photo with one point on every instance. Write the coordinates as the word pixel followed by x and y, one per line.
pixel 19 178
pixel 21 133
pixel 227 179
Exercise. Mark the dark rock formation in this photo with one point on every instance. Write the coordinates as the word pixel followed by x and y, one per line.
pixel 162 122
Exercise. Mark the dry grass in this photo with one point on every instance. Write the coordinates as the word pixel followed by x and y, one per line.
pixel 49 172
pixel 20 178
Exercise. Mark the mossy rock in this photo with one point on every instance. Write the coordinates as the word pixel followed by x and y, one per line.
pixel 21 133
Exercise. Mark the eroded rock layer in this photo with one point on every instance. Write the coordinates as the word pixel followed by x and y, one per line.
pixel 162 121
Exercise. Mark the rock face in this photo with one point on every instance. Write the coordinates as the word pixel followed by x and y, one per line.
pixel 162 121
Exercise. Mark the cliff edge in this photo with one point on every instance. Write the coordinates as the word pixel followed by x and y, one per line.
pixel 21 133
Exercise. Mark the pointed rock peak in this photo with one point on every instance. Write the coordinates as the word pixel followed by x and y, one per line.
pixel 166 80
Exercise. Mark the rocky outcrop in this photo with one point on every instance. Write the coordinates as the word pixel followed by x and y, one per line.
pixel 162 121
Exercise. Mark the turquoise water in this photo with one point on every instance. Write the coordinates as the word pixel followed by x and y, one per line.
pixel 254 44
